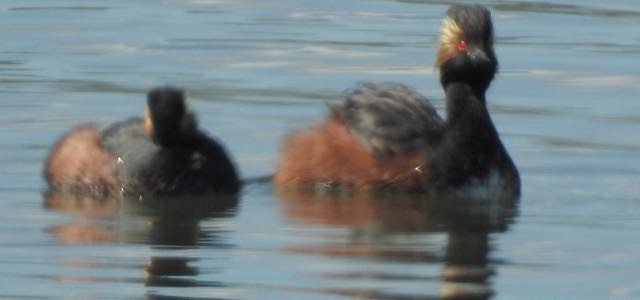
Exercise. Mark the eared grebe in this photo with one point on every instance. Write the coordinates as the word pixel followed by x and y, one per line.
pixel 177 159
pixel 163 154
pixel 390 137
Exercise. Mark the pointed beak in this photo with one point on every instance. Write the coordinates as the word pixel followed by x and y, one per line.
pixel 478 56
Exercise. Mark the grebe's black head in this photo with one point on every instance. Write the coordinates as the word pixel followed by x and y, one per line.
pixel 168 118
pixel 466 47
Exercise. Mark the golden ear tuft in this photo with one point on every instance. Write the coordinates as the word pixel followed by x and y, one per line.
pixel 450 35
pixel 147 123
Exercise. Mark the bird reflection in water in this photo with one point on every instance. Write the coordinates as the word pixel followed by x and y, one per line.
pixel 377 219
pixel 166 224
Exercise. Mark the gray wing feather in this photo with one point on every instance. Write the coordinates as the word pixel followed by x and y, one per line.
pixel 390 118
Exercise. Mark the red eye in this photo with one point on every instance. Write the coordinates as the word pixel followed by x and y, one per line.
pixel 462 46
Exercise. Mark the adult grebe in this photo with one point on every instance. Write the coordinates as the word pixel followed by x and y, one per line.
pixel 390 137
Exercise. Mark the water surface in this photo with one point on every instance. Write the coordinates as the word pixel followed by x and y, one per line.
pixel 565 103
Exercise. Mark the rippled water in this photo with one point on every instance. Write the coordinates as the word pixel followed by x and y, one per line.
pixel 565 102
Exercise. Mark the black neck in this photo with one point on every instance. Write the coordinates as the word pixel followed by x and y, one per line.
pixel 188 140
pixel 182 133
pixel 470 143
pixel 466 105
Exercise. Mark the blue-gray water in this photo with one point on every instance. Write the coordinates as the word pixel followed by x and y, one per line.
pixel 565 102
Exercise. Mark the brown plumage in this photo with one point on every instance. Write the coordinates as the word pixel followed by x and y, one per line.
pixel 79 163
pixel 329 154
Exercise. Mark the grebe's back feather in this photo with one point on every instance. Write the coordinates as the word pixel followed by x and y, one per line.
pixel 391 118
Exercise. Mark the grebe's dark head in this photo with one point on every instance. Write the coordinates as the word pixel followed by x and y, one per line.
pixel 466 47
pixel 168 118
